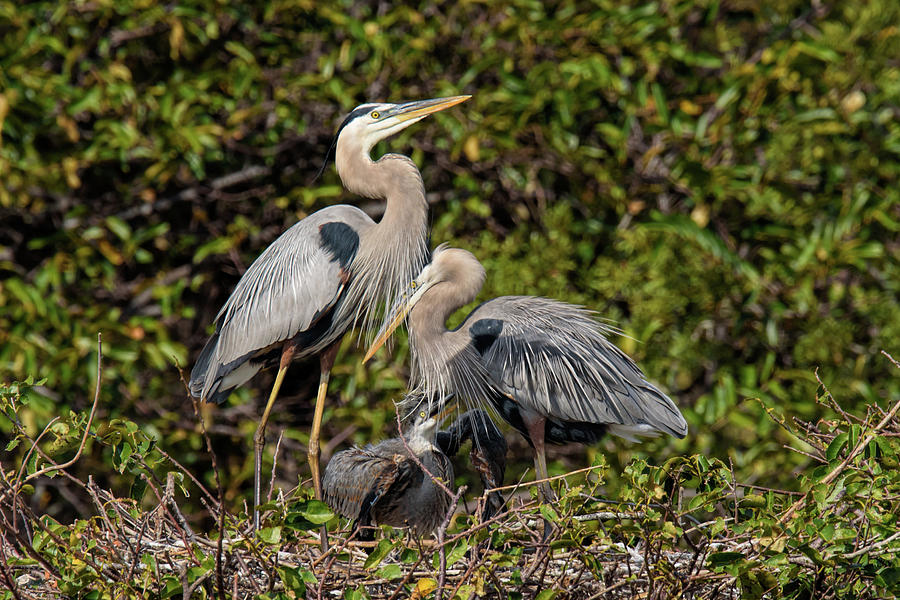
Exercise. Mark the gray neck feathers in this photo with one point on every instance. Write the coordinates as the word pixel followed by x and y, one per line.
pixel 445 362
pixel 391 253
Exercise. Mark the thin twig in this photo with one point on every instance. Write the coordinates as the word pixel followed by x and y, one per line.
pixel 415 458
pixel 548 479
pixel 87 428
pixel 220 576
pixel 874 546
pixel 190 475
pixel 10 584
pixel 860 445
pixel 274 466
pixel 441 533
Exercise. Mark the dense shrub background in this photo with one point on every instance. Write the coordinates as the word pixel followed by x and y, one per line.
pixel 717 177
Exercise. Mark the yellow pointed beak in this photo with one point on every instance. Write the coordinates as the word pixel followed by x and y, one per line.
pixel 408 299
pixel 421 108
pixel 386 333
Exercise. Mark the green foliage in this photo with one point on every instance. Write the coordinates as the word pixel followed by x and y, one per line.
pixel 717 179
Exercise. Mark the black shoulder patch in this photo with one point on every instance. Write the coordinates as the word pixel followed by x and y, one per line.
pixel 340 240
pixel 484 333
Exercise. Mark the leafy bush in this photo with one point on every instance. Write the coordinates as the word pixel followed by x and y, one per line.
pixel 716 178
pixel 686 528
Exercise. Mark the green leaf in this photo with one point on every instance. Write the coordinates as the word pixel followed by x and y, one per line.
pixel 317 512
pixel 718 559
pixel 270 535
pixel 753 501
pixel 836 445
pixel 118 227
pixel 378 553
pixel 457 552
pixel 889 578
pixel 294 579
pixel 391 571
pixel 173 587
pixel 219 245
pixel 549 513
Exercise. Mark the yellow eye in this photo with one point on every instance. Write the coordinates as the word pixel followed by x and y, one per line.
pixel 422 414
pixel 413 285
pixel 375 114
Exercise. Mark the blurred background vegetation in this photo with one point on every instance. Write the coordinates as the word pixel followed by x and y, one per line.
pixel 717 177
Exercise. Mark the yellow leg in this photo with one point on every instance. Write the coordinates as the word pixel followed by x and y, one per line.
pixel 259 440
pixel 313 449
pixel 326 361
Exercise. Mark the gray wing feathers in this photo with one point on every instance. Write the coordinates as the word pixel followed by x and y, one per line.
pixel 357 475
pixel 556 357
pixel 293 282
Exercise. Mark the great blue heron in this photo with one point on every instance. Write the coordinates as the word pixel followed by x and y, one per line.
pixel 546 366
pixel 327 273
pixel 383 484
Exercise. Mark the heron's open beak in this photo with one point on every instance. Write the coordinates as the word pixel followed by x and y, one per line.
pixel 413 294
pixel 422 108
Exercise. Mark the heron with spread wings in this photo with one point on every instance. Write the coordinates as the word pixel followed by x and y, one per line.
pixel 545 366
pixel 332 270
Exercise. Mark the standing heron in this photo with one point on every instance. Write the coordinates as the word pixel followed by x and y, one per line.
pixel 546 366
pixel 383 484
pixel 330 271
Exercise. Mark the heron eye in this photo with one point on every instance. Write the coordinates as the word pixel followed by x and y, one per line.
pixel 422 414
pixel 413 285
pixel 375 114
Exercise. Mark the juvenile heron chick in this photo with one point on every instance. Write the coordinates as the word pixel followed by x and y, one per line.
pixel 383 484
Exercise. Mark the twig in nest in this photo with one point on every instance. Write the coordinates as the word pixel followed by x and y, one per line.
pixel 860 445
pixel 190 475
pixel 441 533
pixel 87 430
pixel 220 577
pixel 10 584
pixel 415 458
pixel 274 466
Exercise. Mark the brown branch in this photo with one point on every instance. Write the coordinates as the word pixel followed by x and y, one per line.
pixel 415 458
pixel 87 429
pixel 274 466
pixel 442 532
pixel 860 445
pixel 220 577
pixel 4 562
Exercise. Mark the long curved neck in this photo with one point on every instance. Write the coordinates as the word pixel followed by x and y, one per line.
pixel 405 220
pixel 444 361
pixel 428 318
pixel 391 253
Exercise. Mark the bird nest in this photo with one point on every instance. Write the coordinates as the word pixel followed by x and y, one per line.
pixel 685 528
pixel 155 553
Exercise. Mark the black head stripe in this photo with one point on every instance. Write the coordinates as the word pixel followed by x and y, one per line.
pixel 355 113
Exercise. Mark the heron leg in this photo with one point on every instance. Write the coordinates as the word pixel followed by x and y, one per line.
pixel 536 427
pixel 326 361
pixel 259 438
